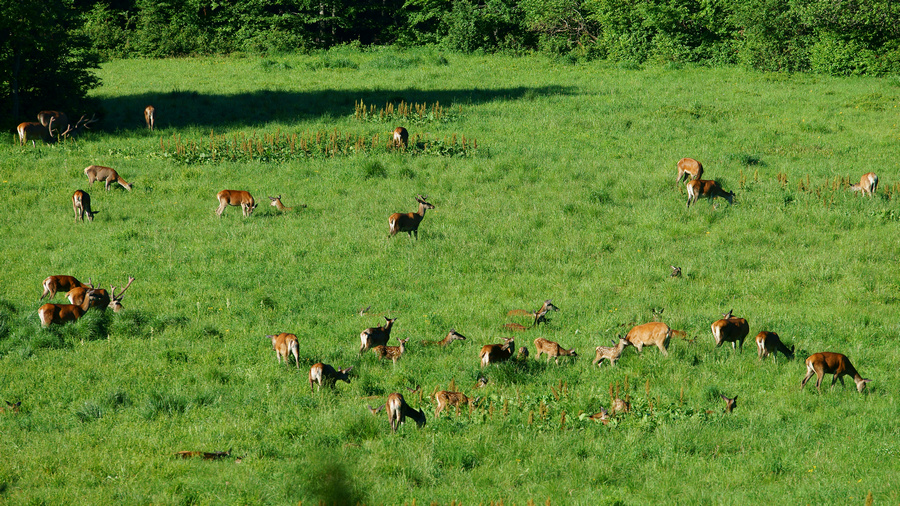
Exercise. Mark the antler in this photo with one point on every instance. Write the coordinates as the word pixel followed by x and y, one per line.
pixel 122 293
pixel 422 199
pixel 83 123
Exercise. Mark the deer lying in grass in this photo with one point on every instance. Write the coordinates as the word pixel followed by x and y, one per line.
pixel 730 329
pixel 324 374
pixel 399 411
pixel 493 353
pixel 105 174
pixel 235 198
pixel 730 403
pixel 689 169
pixel 285 345
pixel 611 353
pixel 540 316
pixel 653 333
pixel 11 407
pixel 276 203
pixel 81 203
pixel 446 398
pixel 376 336
pixel 453 335
pixel 708 190
pixel 867 184
pixel 769 342
pixel 837 364
pixel 391 352
pixel 552 349
pixel 409 222
pixel 53 284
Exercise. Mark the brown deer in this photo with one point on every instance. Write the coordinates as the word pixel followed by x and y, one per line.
pixel 730 329
pixel 689 169
pixel 150 116
pixel 446 398
pixel 102 299
pixel 401 137
pixel 867 184
pixel 837 364
pixel 769 342
pixel 708 190
pixel 730 403
pixel 235 198
pixel 540 316
pixel 81 203
pixel 31 131
pixel 552 349
pixel 105 174
pixel 522 355
pixel 11 407
pixel 324 374
pixel 493 353
pixel 276 203
pixel 453 335
pixel 48 118
pixel 399 410
pixel 653 333
pixel 409 222
pixel 376 336
pixel 611 353
pixel 63 313
pixel 53 284
pixel 285 345
pixel 391 352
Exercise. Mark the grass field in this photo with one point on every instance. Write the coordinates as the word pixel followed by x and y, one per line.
pixel 569 195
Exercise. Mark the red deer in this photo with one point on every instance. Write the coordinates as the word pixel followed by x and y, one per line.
pixel 235 198
pixel 611 353
pixel 399 410
pixel 708 190
pixel 446 398
pixel 31 131
pixel 63 313
pixel 409 222
pixel 620 406
pixel 105 174
pixel 867 184
pixel 522 355
pixel 453 335
pixel 540 316
pixel 689 169
pixel 839 365
pixel 276 203
pixel 324 374
pixel 150 116
pixel 401 137
pixel 552 349
pixel 81 202
pixel 55 118
pixel 55 284
pixel 653 333
pixel 769 342
pixel 730 404
pixel 391 352
pixel 376 336
pixel 285 345
pixel 730 329
pixel 493 353
pixel 71 130
pixel 11 407
pixel 102 298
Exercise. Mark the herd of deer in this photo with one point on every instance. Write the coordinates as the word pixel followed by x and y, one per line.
pixel 82 297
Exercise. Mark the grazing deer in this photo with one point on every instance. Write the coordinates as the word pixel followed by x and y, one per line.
pixel 446 398
pixel 689 169
pixel 552 349
pixel 399 410
pixel 730 329
pixel 453 335
pixel 391 352
pixel 31 131
pixel 708 190
pixel 401 137
pixel 150 116
pixel 376 336
pixel 653 333
pixel 493 353
pixel 409 222
pixel 102 298
pixel 730 404
pixel 867 184
pixel 11 407
pixel 81 202
pixel 522 355
pixel 63 313
pixel 105 174
pixel 235 198
pixel 769 342
pixel 611 353
pixel 285 345
pixel 55 284
pixel 324 374
pixel 837 364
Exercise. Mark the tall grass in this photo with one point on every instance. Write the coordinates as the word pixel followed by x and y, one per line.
pixel 569 195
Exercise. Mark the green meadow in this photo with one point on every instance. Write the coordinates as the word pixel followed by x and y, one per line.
pixel 549 181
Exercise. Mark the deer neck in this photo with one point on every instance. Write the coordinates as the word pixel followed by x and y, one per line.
pixel 422 209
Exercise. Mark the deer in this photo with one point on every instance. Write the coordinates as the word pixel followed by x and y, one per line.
pixel 71 131
pixel 324 374
pixel 276 203
pixel 730 403
pixel 105 174
pixel 47 118
pixel 769 342
pixel 102 299
pixel 446 398
pixel 81 203
pixel 409 222
pixel 611 353
pixel 401 137
pixel 676 272
pixel 689 169
pixel 522 355
pixel 552 349
pixel 63 313
pixel 453 335
pixel 837 364
pixel 285 345
pixel 11 407
pixel 53 284
pixel 391 352
pixel 730 329
pixel 653 333
pixel 493 353
pixel 867 184
pixel 150 116
pixel 706 189
pixel 235 198
pixel 399 410
pixel 376 336
pixel 31 131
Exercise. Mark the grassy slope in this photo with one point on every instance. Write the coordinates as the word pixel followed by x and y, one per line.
pixel 571 197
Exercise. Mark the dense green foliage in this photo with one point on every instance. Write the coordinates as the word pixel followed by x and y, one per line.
pixel 570 195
